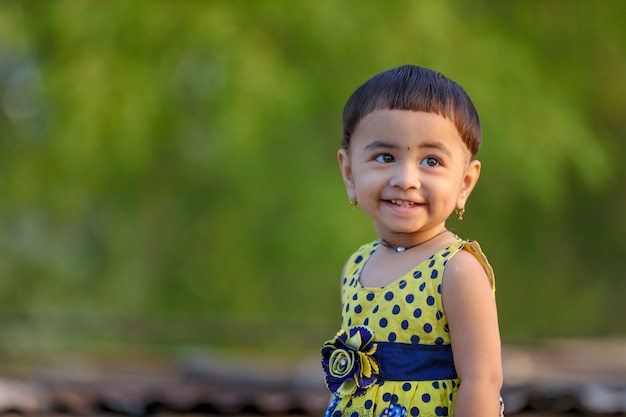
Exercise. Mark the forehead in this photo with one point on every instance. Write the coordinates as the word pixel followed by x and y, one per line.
pixel 406 128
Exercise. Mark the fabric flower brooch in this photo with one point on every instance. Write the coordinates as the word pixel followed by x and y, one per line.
pixel 348 363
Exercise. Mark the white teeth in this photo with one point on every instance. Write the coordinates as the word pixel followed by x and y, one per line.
pixel 403 203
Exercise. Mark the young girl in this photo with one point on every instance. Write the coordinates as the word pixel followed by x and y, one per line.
pixel 419 330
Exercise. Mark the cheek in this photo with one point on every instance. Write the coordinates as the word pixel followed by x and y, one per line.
pixel 445 191
pixel 364 178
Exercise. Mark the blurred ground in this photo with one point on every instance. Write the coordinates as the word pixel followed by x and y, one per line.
pixel 558 377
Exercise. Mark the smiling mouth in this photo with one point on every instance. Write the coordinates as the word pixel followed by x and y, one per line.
pixel 404 203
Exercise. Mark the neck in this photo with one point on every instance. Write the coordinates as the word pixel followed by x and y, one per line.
pixel 399 249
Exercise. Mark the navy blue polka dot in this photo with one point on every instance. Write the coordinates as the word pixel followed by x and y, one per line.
pixel 358 309
pixel 444 385
pixel 445 254
pixel 415 339
pixel 439 315
pixel 355 297
pixel 439 341
pixel 422 286
pixel 404 324
pixel 392 337
pixel 358 259
pixel 426 398
pixel 370 296
pixel 375 310
pixel 439 288
pixel 436 384
pixel 337 413
pixel 389 296
pixel 386 397
pixel 383 322
pixel 350 322
pixel 396 309
pixel 430 300
pixel 402 284
pixel 410 298
pixel 368 404
pixel 394 399
pixel 428 328
pixel 432 263
pixel 347 307
pixel 349 404
pixel 434 274
pixel 406 386
pixel 366 321
pixel 415 411
pixel 417 274
pixel 417 313
pixel 354 414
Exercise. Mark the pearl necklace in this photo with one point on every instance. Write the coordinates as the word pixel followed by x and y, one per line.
pixel 400 249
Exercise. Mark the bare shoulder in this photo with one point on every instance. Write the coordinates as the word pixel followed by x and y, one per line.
pixel 466 286
pixel 466 268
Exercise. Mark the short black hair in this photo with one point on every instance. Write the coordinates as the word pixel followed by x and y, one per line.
pixel 410 87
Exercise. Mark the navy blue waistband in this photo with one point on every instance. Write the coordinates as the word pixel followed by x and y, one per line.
pixel 414 362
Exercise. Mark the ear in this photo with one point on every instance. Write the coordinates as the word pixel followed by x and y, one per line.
pixel 472 172
pixel 346 172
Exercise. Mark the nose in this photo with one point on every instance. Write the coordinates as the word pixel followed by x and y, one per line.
pixel 405 176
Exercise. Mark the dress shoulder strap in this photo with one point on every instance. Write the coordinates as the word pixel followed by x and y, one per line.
pixel 360 256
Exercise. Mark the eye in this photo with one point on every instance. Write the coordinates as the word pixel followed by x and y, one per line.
pixel 431 162
pixel 385 158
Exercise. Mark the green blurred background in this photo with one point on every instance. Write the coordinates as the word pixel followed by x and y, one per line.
pixel 168 173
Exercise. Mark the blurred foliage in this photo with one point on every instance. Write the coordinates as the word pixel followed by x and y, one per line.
pixel 166 163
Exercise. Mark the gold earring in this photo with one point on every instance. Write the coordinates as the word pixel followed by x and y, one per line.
pixel 354 203
pixel 460 212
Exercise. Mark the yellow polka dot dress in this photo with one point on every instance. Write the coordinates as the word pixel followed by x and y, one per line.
pixel 392 356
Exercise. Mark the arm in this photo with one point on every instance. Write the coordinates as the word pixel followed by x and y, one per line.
pixel 470 308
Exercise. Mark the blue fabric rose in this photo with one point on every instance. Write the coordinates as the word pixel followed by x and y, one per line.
pixel 348 363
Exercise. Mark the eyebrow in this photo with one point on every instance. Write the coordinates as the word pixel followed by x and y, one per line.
pixel 386 145
pixel 437 145
pixel 380 144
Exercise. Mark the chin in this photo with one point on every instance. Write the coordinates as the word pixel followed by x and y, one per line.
pixel 403 230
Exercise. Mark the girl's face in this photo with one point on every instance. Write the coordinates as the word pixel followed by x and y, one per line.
pixel 408 170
